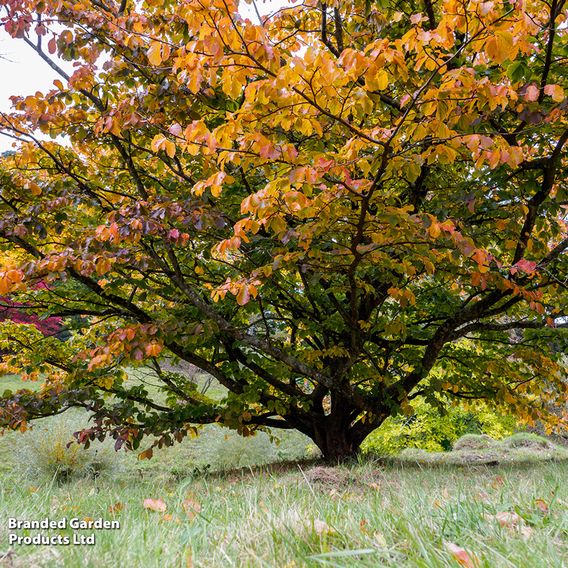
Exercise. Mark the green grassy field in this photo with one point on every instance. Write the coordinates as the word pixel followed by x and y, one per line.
pixel 495 506
pixel 361 515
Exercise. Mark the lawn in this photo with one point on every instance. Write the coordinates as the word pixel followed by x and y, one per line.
pixel 499 505
pixel 360 515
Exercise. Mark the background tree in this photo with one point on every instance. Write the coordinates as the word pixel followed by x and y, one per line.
pixel 333 212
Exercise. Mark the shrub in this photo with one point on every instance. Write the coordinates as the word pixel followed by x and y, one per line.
pixel 46 452
pixel 527 440
pixel 474 442
pixel 430 430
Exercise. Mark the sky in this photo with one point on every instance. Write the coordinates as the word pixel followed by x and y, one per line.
pixel 25 73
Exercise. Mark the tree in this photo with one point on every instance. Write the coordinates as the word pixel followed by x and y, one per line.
pixel 332 212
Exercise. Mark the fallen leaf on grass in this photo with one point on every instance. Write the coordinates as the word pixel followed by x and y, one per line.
pixel 155 505
pixel 512 522
pixel 542 506
pixel 498 481
pixel 192 508
pixel 508 519
pixel 461 555
pixel 116 508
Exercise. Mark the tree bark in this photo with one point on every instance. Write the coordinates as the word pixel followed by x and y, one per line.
pixel 337 437
pixel 335 444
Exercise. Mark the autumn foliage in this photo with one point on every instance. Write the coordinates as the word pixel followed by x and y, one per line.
pixel 332 212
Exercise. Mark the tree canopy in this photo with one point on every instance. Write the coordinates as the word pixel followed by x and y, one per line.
pixel 333 211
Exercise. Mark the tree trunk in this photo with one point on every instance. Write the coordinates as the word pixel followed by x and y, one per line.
pixel 335 444
pixel 338 438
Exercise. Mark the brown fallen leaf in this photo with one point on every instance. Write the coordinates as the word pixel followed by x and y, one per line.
pixel 116 508
pixel 498 481
pixel 192 508
pixel 461 555
pixel 155 505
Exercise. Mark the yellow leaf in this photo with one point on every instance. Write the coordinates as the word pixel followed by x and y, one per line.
pixel 170 148
pixel 34 188
pixel 434 230
pixel 500 47
pixel 377 81
pixel 157 142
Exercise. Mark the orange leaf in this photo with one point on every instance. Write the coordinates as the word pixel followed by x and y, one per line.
pixel 153 349
pixel 155 53
pixel 146 454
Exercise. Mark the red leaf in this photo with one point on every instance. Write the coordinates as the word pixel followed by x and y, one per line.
pixel 527 266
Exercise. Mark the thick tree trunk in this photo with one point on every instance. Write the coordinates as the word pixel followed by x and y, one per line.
pixel 339 441
pixel 336 445
pixel 335 434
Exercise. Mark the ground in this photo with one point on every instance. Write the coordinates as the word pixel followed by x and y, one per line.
pixel 482 506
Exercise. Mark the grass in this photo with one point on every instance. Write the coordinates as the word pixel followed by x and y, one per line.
pixel 359 515
pixel 506 504
pixel 13 382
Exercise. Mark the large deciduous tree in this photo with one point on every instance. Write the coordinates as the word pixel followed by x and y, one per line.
pixel 333 211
